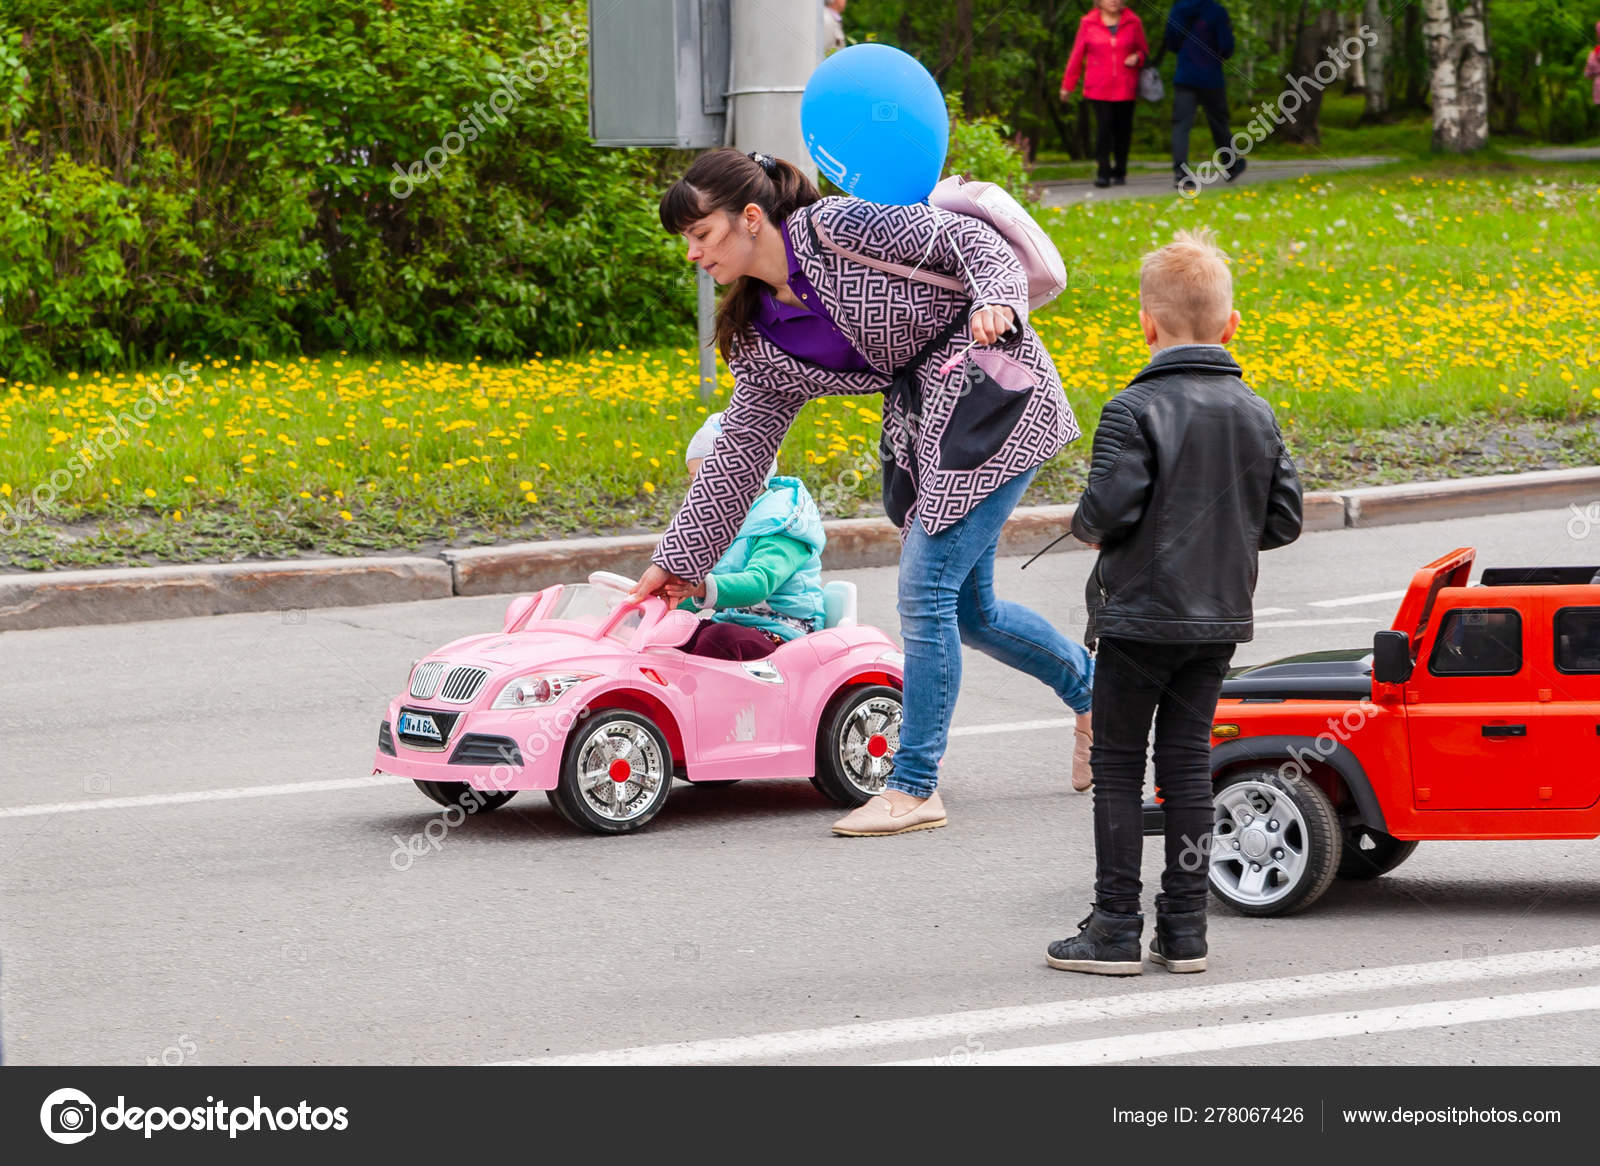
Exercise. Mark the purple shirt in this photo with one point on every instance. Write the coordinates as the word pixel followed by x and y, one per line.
pixel 808 333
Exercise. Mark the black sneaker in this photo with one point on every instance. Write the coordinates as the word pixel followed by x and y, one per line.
pixel 1117 180
pixel 1102 182
pixel 1236 169
pixel 1180 942
pixel 1106 945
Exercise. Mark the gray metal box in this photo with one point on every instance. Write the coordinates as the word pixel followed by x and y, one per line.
pixel 658 70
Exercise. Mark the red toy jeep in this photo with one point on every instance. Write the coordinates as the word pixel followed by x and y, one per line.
pixel 1477 716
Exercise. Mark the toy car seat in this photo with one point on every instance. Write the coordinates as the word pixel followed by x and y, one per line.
pixel 839 604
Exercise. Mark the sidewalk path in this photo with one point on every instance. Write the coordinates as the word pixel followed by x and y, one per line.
pixel 1153 179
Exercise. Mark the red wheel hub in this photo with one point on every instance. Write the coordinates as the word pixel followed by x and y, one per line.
pixel 878 745
pixel 621 771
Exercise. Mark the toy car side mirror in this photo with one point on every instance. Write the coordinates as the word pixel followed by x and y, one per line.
pixel 1391 657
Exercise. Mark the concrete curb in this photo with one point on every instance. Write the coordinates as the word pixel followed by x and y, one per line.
pixel 57 599
pixel 140 593
pixel 1466 497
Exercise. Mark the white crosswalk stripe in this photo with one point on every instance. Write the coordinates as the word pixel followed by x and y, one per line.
pixel 1141 1003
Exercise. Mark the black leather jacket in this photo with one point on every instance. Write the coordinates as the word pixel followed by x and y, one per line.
pixel 1189 480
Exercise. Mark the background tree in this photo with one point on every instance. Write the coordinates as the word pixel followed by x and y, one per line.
pixel 1375 63
pixel 1458 50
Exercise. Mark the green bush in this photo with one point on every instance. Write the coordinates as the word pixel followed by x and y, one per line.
pixel 982 148
pixel 205 176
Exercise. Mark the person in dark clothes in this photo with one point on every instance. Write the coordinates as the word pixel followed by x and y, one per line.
pixel 1201 33
pixel 1188 480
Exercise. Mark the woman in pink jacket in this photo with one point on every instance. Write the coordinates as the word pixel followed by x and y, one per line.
pixel 1109 51
pixel 1591 67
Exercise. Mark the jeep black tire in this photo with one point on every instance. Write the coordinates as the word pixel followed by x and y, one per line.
pixel 1276 841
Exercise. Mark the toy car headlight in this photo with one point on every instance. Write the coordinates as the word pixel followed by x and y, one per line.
pixel 540 689
pixel 898 659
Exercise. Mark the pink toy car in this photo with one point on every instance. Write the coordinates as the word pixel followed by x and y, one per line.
pixel 589 698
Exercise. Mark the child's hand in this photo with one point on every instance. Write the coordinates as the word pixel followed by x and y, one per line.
pixel 680 589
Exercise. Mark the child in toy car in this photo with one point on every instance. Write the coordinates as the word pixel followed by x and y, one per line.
pixel 767 587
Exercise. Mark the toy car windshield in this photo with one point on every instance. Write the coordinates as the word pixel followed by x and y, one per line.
pixel 593 607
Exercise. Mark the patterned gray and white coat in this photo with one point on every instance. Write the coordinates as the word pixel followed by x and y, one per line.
pixel 889 318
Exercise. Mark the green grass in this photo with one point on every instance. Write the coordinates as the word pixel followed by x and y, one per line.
pixel 1406 322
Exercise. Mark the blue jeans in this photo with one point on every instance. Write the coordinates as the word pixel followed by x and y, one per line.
pixel 947 599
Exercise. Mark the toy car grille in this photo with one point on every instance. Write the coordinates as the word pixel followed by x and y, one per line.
pixel 425 680
pixel 480 749
pixel 385 739
pixel 462 684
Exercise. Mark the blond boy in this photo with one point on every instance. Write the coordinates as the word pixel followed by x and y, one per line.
pixel 1189 479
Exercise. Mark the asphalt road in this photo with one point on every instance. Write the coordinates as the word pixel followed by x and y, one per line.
pixel 209 928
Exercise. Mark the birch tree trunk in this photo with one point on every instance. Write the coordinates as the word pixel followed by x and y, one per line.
pixel 1358 65
pixel 1458 53
pixel 1376 60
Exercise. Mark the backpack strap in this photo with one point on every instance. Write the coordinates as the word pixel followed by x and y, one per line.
pixel 820 239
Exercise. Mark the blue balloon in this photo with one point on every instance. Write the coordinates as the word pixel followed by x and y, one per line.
pixel 875 123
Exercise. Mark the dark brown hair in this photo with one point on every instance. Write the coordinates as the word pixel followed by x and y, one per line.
pixel 728 180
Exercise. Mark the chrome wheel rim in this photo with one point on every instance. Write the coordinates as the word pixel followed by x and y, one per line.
pixel 621 770
pixel 868 743
pixel 1259 844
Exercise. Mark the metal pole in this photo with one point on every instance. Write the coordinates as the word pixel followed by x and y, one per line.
pixel 706 303
pixel 775 48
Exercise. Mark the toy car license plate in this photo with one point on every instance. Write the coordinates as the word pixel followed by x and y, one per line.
pixel 417 725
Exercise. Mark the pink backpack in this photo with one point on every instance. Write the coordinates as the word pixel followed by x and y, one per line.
pixel 1041 261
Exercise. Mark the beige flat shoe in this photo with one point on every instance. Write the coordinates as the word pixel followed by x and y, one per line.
pixel 877 818
pixel 1082 775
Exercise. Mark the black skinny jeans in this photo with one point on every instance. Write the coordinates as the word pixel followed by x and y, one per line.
pixel 1113 133
pixel 1185 101
pixel 1178 684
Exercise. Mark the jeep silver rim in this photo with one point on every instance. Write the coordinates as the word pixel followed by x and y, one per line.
pixel 1259 844
pixel 621 771
pixel 869 742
